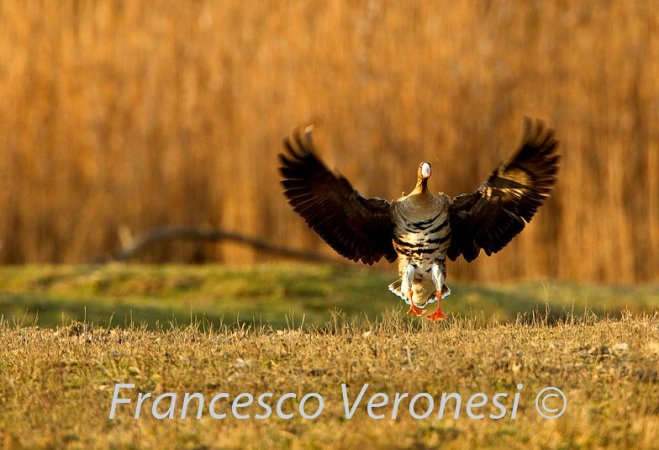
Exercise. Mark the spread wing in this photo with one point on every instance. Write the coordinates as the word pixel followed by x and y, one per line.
pixel 489 218
pixel 356 227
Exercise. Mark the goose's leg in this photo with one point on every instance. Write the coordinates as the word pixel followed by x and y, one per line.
pixel 407 288
pixel 438 277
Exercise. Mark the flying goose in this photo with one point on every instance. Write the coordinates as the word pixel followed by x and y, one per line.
pixel 420 229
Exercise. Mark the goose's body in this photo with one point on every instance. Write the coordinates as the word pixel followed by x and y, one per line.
pixel 421 238
pixel 421 229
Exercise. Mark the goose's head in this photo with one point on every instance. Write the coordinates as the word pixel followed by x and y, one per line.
pixel 424 171
pixel 422 176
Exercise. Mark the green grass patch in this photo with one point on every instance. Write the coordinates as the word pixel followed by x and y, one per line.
pixel 276 295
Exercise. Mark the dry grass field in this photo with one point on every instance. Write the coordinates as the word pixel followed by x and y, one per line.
pixel 120 116
pixel 58 384
pixel 69 334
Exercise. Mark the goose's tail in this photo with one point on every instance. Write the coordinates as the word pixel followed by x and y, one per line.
pixel 420 290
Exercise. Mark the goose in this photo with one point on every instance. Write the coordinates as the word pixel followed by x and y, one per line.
pixel 420 229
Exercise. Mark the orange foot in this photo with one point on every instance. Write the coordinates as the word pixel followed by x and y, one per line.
pixel 438 314
pixel 413 309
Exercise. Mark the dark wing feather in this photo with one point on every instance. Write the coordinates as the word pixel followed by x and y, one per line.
pixel 489 218
pixel 356 227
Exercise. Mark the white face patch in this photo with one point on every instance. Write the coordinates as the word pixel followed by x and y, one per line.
pixel 425 170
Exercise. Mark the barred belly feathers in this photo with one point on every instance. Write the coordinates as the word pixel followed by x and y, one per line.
pixel 421 238
pixel 421 229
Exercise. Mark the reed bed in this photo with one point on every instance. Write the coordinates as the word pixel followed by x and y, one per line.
pixel 120 116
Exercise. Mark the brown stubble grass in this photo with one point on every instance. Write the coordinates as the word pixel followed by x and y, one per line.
pixel 57 384
pixel 122 116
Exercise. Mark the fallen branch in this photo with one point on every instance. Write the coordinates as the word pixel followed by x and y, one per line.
pixel 201 234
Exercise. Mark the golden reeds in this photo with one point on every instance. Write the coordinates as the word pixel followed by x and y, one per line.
pixel 131 115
